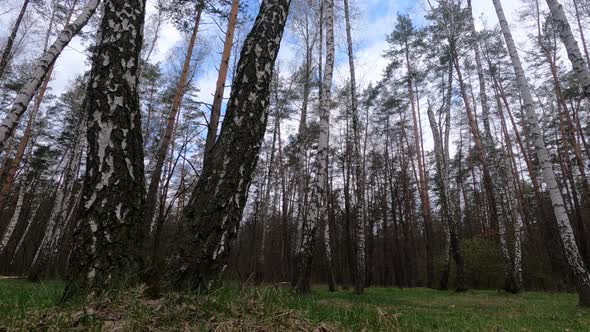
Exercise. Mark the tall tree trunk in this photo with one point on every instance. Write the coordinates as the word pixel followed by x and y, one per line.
pixel 212 217
pixel 221 78
pixel 562 27
pixel 287 191
pixel 569 141
pixel 16 214
pixel 492 200
pixel 59 215
pixel 571 251
pixel 264 215
pixel 301 174
pixel 317 209
pixel 421 176
pixel 15 164
pixel 107 241
pixel 327 236
pixel 29 221
pixel 159 20
pixel 447 203
pixel 44 64
pixel 358 165
pixel 6 53
pixel 24 141
pixel 581 28
pixel 489 143
pixel 160 158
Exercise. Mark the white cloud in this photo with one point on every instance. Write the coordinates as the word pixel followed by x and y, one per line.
pixel 375 20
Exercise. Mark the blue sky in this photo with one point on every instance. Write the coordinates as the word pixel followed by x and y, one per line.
pixel 375 20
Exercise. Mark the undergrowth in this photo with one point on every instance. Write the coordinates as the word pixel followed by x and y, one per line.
pixel 27 306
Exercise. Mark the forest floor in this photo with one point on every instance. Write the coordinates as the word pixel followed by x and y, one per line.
pixel 28 306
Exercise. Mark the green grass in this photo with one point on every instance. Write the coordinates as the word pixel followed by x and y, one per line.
pixel 35 306
pixel 431 310
pixel 18 297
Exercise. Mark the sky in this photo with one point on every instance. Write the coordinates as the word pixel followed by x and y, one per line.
pixel 374 21
pixel 378 19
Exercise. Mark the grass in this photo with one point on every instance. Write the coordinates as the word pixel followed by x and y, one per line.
pixel 19 297
pixel 27 306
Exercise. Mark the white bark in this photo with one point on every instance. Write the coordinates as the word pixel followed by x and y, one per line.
pixel 488 138
pixel 504 214
pixel 213 214
pixel 26 232
pixel 267 188
pixel 563 28
pixel 514 212
pixel 518 235
pixel 317 208
pixel 44 65
pixel 14 219
pixel 357 160
pixel 563 224
pixel 59 216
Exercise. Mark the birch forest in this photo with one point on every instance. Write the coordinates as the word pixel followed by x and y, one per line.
pixel 192 146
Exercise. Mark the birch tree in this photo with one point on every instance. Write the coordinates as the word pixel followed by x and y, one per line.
pixel 108 235
pixel 317 209
pixel 15 218
pixel 563 28
pixel 448 203
pixel 60 215
pixel 359 167
pixel 570 249
pixel 212 217
pixel 7 52
pixel 44 65
pixel 24 141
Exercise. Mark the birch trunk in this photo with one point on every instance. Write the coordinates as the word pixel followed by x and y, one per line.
pixel 21 240
pixel 329 260
pixel 564 227
pixel 563 28
pixel 15 164
pixel 221 78
pixel 159 20
pixel 507 208
pixel 317 209
pixel 489 143
pixel 448 206
pixel 6 53
pixel 14 219
pixel 489 185
pixel 29 221
pixel 59 215
pixel 582 37
pixel 24 141
pixel 302 172
pixel 266 198
pixel 212 217
pixel 44 65
pixel 107 241
pixel 358 166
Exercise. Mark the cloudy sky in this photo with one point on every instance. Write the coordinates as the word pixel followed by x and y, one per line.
pixel 375 19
